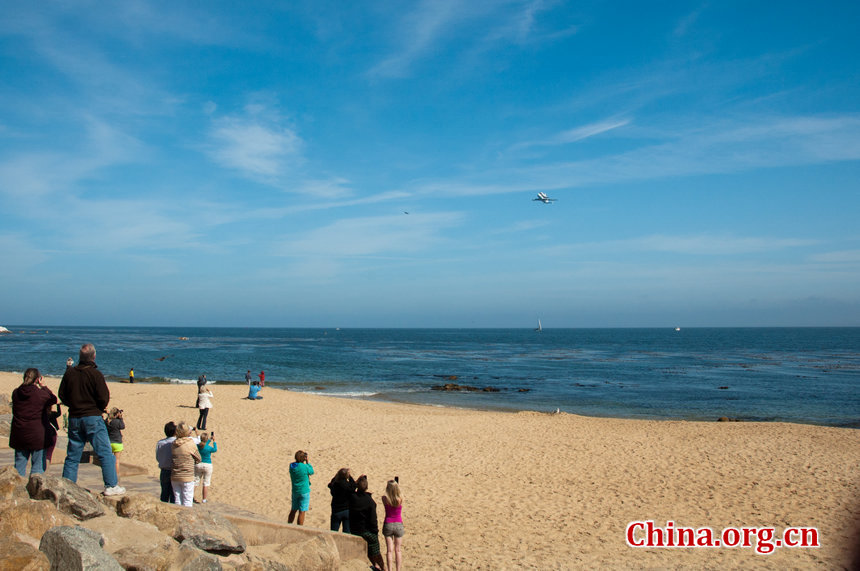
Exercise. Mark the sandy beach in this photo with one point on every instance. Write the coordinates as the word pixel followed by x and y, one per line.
pixel 490 490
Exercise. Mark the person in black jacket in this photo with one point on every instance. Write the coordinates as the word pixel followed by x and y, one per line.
pixel 342 486
pixel 363 522
pixel 84 392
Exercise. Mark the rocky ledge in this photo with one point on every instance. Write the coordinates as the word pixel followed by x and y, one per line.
pixel 48 522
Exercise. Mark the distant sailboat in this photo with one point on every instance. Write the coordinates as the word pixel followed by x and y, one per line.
pixel 539 328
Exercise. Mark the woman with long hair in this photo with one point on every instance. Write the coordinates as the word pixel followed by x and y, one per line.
pixel 31 404
pixel 203 470
pixel 342 486
pixel 392 527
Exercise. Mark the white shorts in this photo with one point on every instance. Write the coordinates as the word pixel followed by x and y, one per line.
pixel 204 471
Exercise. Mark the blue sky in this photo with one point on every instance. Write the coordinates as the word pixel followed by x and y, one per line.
pixel 250 164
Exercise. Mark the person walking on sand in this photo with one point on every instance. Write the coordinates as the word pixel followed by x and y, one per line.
pixel 203 470
pixel 31 405
pixel 342 486
pixel 185 458
pixel 363 521
pixel 392 527
pixel 248 377
pixel 115 426
pixel 204 403
pixel 300 472
pixel 262 376
pixel 164 456
pixel 131 375
pixel 85 393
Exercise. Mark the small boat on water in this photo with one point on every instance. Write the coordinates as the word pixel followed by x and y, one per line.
pixel 4 330
pixel 677 329
pixel 539 328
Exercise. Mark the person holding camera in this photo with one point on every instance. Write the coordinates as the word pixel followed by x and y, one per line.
pixel 115 426
pixel 203 470
pixel 300 472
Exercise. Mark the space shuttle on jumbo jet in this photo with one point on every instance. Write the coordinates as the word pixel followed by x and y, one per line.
pixel 542 197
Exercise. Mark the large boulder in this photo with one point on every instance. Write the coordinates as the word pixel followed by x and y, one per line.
pixel 66 495
pixel 21 555
pixel 12 485
pixel 30 517
pixel 76 548
pixel 209 531
pixel 134 544
pixel 149 509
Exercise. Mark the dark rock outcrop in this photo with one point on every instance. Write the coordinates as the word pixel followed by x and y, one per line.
pixel 67 496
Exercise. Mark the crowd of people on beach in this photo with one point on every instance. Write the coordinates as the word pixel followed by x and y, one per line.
pixel 184 455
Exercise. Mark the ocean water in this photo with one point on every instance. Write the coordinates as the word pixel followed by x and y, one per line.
pixel 806 375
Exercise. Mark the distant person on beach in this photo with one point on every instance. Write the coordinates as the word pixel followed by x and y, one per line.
pixel 203 470
pixel 262 376
pixel 115 426
pixel 300 473
pixel 342 486
pixel 70 362
pixel 164 456
pixel 31 404
pixel 363 522
pixel 185 458
pixel 392 527
pixel 204 403
pixel 84 392
pixel 248 377
pixel 254 391
pixel 131 375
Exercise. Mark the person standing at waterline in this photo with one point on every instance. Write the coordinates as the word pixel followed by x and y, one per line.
pixel 85 393
pixel 31 404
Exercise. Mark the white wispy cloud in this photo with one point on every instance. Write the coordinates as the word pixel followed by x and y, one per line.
pixel 710 147
pixel 31 174
pixel 575 134
pixel 257 144
pixel 840 257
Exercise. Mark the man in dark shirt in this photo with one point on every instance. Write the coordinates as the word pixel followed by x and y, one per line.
pixel 84 392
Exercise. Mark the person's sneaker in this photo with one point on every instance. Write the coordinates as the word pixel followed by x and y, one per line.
pixel 114 491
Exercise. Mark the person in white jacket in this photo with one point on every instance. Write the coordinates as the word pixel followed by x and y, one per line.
pixel 204 403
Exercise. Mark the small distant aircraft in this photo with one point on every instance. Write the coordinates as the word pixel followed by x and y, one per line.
pixel 542 197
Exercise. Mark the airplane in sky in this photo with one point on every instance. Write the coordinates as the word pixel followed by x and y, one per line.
pixel 542 197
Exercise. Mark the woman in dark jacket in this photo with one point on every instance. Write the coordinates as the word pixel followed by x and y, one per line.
pixel 342 486
pixel 363 522
pixel 31 403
